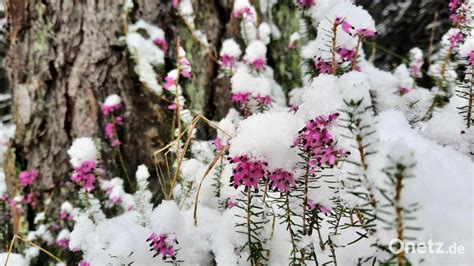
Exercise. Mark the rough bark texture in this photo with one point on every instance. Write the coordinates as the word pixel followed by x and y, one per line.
pixel 65 57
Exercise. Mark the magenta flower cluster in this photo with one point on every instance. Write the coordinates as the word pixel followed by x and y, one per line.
pixel 65 215
pixel 455 39
pixel 162 43
pixel 63 243
pixel 322 66
pixel 282 180
pixel 83 263
pixel 110 127
pixel 247 172
pixel 217 143
pixel 258 64
pixel 84 175
pixel 163 245
pixel 242 100
pixel 245 11
pixel 228 61
pixel 470 58
pixel 27 177
pixel 316 139
pixel 456 16
pixel 305 4
pixel 351 30
pixel 312 205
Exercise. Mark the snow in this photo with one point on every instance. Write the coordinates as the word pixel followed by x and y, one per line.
pixel 112 100
pixel 231 48
pixel 467 47
pixel 442 185
pixel 142 173
pixel 243 81
pixel 146 53
pixel 82 150
pixel 264 33
pixel 14 259
pixel 268 137
pixel 255 50
pixel 320 98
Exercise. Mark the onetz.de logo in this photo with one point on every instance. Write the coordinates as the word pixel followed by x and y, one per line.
pixel 397 246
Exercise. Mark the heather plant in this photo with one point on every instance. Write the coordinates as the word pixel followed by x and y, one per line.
pixel 324 174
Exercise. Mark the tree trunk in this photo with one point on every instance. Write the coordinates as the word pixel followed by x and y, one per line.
pixel 65 57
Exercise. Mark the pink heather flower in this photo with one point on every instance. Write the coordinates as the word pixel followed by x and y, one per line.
pixel 172 106
pixel 111 135
pixel 30 199
pixel 454 4
pixel 28 177
pixel 471 58
pixel 4 196
pixel 175 3
pixel 264 100
pixel 169 82
pixel 366 32
pixel 217 144
pixel 240 97
pixel 346 26
pixel 455 18
pixel 116 199
pixel 305 3
pixel 119 120
pixel 231 203
pixel 186 73
pixel 258 63
pixel 65 215
pixel 227 61
pixel 115 143
pixel 455 39
pixel 322 67
pixel 83 263
pixel 316 133
pixel 109 130
pixel 107 109
pixel 247 172
pixel 346 54
pixel 403 91
pixel 416 67
pixel 162 43
pixel 325 210
pixel 244 11
pixel 63 243
pixel 185 68
pixel 282 181
pixel 184 62
pixel 316 139
pixel 84 175
pixel 292 45
pixel 163 244
pixel 312 205
pixel 294 108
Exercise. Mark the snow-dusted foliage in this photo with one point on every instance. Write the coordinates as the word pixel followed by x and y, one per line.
pixel 329 174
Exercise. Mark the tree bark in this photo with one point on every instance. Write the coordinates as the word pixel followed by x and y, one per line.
pixel 65 57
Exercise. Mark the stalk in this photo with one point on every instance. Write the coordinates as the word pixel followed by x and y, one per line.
pixel 333 50
pixel 470 99
pixel 399 215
